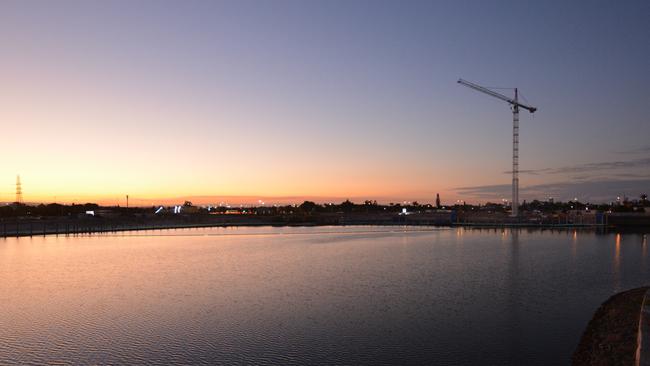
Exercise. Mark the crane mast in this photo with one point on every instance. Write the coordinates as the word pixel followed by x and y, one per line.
pixel 515 156
pixel 515 105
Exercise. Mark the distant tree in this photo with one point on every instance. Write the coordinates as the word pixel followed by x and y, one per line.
pixel 309 206
pixel 347 206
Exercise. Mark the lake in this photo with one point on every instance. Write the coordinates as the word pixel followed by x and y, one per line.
pixel 310 295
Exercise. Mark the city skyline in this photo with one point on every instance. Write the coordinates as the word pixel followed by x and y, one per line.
pixel 321 101
pixel 543 193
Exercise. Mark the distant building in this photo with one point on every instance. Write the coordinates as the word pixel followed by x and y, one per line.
pixel 438 205
pixel 189 208
pixel 107 213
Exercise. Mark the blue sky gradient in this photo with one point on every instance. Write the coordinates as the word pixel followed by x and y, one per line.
pixel 323 99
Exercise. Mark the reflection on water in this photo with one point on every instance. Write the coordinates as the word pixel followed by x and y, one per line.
pixel 350 295
pixel 513 309
pixel 617 262
pixel 574 244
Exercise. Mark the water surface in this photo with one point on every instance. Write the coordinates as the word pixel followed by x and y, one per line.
pixel 319 295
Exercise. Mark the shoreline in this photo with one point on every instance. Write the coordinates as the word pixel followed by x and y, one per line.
pixel 77 227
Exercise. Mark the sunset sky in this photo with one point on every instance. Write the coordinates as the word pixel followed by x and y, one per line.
pixel 327 100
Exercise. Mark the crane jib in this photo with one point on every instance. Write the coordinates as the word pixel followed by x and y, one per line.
pixel 496 95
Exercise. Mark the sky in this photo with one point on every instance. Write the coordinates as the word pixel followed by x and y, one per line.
pixel 235 101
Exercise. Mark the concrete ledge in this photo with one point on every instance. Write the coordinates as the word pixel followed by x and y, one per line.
pixel 643 338
pixel 612 335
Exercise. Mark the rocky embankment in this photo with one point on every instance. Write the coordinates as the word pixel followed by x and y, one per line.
pixel 611 336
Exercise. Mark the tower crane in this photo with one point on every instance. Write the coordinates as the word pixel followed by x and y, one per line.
pixel 515 105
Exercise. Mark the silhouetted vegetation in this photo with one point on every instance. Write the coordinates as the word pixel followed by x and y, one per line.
pixel 58 210
pixel 312 208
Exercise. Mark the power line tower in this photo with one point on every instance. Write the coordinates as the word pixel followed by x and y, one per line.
pixel 19 191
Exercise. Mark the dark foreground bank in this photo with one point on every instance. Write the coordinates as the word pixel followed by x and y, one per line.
pixel 611 336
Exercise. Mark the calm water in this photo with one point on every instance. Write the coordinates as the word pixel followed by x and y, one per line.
pixel 333 295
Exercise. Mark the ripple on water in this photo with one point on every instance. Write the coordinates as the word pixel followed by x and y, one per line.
pixel 287 296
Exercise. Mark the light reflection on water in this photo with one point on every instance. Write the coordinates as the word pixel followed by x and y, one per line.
pixel 351 295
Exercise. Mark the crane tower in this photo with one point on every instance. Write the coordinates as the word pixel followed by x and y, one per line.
pixel 515 105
